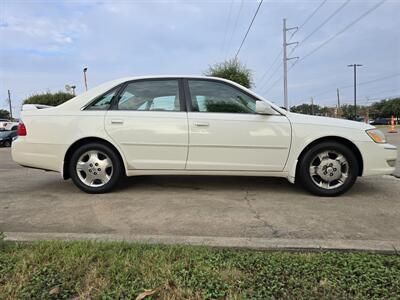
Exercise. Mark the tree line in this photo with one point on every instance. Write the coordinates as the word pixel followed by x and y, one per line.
pixel 236 71
pixel 381 109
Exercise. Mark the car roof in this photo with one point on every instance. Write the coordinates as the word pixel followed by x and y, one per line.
pixel 83 99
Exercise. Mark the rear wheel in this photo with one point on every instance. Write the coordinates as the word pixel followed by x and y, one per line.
pixel 328 169
pixel 95 168
pixel 7 144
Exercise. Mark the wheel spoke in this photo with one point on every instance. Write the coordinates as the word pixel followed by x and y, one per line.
pixel 323 155
pixel 324 184
pixel 341 159
pixel 106 163
pixel 82 166
pixel 313 170
pixel 343 178
pixel 93 156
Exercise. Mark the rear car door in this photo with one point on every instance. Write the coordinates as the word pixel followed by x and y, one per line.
pixel 149 123
pixel 225 133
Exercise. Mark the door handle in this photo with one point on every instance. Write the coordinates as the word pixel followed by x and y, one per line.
pixel 117 121
pixel 201 124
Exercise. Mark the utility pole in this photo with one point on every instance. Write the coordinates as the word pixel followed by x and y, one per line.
pixel 338 103
pixel 354 66
pixel 285 60
pixel 312 105
pixel 9 103
pixel 84 77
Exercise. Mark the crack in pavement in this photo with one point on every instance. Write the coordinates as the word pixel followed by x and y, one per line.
pixel 257 216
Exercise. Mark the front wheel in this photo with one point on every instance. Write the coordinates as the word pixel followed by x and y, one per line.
pixel 328 169
pixel 95 168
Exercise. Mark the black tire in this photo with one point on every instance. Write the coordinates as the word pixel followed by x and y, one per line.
pixel 303 174
pixel 7 144
pixel 117 165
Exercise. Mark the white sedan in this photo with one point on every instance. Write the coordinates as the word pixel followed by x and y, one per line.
pixel 194 125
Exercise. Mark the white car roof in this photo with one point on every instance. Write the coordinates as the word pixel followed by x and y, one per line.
pixel 83 99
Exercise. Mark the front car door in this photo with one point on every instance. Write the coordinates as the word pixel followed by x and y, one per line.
pixel 225 133
pixel 149 123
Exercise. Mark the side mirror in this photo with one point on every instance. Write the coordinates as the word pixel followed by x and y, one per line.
pixel 264 109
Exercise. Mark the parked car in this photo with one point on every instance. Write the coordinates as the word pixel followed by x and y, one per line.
pixel 7 137
pixel 381 121
pixel 3 123
pixel 196 126
pixel 8 125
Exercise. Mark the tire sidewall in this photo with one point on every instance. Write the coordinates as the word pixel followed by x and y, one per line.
pixel 306 179
pixel 117 168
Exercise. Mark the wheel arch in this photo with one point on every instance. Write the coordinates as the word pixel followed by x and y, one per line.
pixel 84 141
pixel 338 139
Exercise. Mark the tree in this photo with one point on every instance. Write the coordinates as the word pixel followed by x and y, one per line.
pixel 49 98
pixel 4 114
pixel 233 70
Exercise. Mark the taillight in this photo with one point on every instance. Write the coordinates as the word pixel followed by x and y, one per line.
pixel 21 129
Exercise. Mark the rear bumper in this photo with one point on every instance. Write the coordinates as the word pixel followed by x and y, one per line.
pixel 378 159
pixel 38 155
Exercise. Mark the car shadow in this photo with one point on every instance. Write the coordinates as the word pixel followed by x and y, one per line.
pixel 210 183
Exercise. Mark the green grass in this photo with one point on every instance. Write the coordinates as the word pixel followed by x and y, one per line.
pixel 100 270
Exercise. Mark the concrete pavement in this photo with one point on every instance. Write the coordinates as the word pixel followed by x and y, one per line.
pixel 218 211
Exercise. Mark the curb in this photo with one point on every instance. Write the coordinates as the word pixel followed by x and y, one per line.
pixel 390 247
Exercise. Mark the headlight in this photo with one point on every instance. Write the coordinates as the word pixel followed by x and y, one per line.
pixel 376 135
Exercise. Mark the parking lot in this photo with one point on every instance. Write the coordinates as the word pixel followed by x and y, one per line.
pixel 220 211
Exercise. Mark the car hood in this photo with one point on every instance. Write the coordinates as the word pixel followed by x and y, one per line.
pixel 326 121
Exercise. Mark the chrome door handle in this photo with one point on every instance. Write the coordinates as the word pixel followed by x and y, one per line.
pixel 117 121
pixel 201 124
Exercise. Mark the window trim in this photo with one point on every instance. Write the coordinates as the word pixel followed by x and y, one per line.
pixel 182 102
pixel 117 88
pixel 188 95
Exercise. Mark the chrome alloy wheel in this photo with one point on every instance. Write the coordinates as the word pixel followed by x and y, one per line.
pixel 329 169
pixel 94 168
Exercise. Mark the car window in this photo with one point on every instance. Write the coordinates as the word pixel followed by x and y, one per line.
pixel 211 96
pixel 104 102
pixel 154 95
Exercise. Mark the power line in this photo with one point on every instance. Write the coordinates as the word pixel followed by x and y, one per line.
pixel 348 26
pixel 226 28
pixel 235 25
pixel 360 83
pixel 272 64
pixel 372 81
pixel 248 29
pixel 279 66
pixel 309 17
pixel 325 21
pixel 280 52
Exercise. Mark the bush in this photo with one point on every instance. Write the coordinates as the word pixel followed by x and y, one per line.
pixel 233 70
pixel 4 114
pixel 49 98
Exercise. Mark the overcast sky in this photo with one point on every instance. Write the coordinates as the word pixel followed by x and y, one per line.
pixel 45 44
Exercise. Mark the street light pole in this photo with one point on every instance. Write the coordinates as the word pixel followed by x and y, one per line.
pixel 354 66
pixel 9 103
pixel 84 77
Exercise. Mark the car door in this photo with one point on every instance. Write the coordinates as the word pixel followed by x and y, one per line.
pixel 225 133
pixel 149 123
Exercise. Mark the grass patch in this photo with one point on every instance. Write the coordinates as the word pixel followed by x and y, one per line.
pixel 100 270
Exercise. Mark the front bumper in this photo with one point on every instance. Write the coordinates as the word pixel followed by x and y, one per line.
pixel 378 159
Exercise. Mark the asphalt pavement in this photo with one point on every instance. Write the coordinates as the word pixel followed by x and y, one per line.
pixel 218 211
